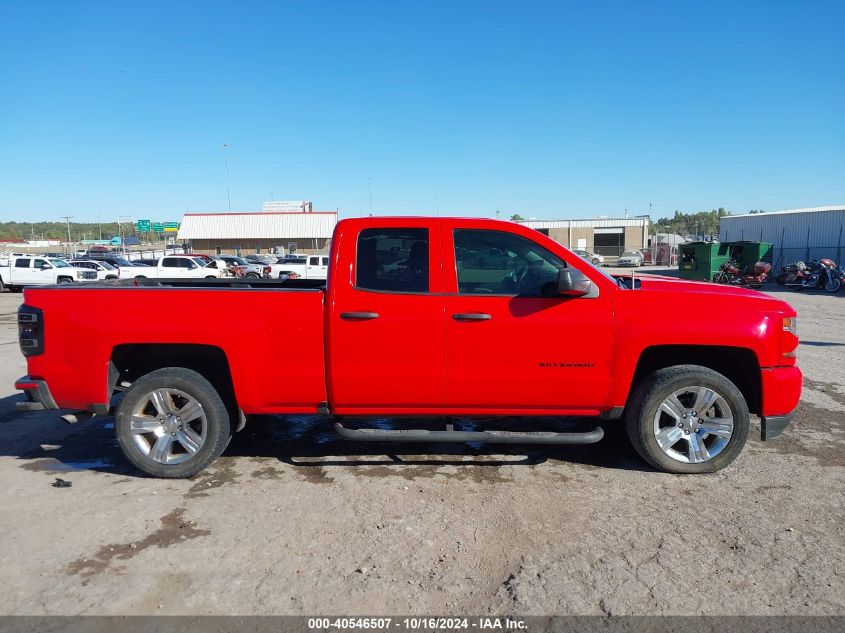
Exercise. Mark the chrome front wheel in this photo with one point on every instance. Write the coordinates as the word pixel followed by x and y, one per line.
pixel 687 419
pixel 693 424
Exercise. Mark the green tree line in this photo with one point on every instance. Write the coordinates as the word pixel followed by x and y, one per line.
pixel 697 223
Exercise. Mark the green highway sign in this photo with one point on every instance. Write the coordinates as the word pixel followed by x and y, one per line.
pixel 158 227
pixel 171 226
pixel 142 226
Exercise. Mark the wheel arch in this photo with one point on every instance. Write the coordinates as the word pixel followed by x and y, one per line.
pixel 130 361
pixel 740 365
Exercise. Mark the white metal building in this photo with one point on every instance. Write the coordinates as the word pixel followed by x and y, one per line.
pixel 797 234
pixel 605 236
pixel 260 232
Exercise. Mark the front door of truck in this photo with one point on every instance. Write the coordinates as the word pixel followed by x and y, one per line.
pixel 513 343
pixel 387 335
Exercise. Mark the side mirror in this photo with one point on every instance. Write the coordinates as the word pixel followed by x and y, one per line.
pixel 45 267
pixel 573 283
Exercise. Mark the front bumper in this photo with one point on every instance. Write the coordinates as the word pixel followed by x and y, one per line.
pixel 38 395
pixel 772 426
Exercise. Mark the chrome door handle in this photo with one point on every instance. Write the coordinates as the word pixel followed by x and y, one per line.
pixel 358 316
pixel 472 316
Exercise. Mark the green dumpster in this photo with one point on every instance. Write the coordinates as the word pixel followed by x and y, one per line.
pixel 699 261
pixel 746 254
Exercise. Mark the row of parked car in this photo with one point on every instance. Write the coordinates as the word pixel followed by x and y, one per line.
pixel 19 270
pixel 628 258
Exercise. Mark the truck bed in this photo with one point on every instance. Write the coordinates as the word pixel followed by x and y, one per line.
pixel 230 282
pixel 270 332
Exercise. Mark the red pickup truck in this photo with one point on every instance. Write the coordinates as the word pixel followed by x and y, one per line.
pixel 423 318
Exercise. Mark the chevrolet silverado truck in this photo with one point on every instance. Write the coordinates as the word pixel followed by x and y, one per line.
pixel 20 271
pixel 413 325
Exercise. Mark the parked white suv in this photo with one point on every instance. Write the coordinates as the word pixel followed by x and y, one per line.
pixel 28 270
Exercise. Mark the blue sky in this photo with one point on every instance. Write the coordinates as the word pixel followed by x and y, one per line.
pixel 548 109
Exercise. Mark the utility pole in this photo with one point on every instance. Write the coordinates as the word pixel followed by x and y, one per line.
pixel 228 189
pixel 67 218
pixel 124 220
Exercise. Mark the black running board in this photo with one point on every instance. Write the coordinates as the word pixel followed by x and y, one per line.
pixel 487 437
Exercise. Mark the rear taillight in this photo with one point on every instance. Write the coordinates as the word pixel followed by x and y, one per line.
pixel 31 330
pixel 789 340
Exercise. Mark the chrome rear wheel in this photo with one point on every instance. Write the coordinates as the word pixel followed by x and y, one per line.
pixel 168 426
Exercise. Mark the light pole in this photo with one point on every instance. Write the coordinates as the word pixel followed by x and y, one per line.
pixel 228 190
pixel 124 220
pixel 370 192
pixel 67 219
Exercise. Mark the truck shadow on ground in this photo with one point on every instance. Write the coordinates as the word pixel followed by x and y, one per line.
pixel 46 444
pixel 309 441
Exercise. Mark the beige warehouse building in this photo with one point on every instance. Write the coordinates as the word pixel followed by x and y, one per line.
pixel 606 236
pixel 262 232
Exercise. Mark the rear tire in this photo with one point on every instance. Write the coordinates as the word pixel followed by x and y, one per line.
pixel 153 436
pixel 253 276
pixel 654 420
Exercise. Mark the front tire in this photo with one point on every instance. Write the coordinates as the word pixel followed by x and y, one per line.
pixel 687 419
pixel 172 423
pixel 833 284
pixel 596 261
pixel 64 280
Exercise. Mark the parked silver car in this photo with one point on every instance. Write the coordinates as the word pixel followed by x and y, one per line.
pixel 631 258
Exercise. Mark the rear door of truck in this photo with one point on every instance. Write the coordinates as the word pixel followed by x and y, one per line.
pixel 387 337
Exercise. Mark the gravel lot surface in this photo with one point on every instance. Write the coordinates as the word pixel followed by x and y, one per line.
pixel 292 521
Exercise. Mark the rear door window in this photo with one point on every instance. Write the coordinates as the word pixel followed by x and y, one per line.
pixel 393 260
pixel 22 263
pixel 170 262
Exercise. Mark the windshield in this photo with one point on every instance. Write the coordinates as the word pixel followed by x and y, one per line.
pixel 240 261
pixel 631 254
pixel 60 263
pixel 200 262
pixel 106 265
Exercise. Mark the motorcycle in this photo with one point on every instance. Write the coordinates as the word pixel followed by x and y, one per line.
pixel 757 277
pixel 730 274
pixel 727 273
pixel 793 275
pixel 828 277
pixel 820 274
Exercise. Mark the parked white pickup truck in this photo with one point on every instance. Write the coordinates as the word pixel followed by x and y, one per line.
pixel 18 271
pixel 310 267
pixel 179 267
